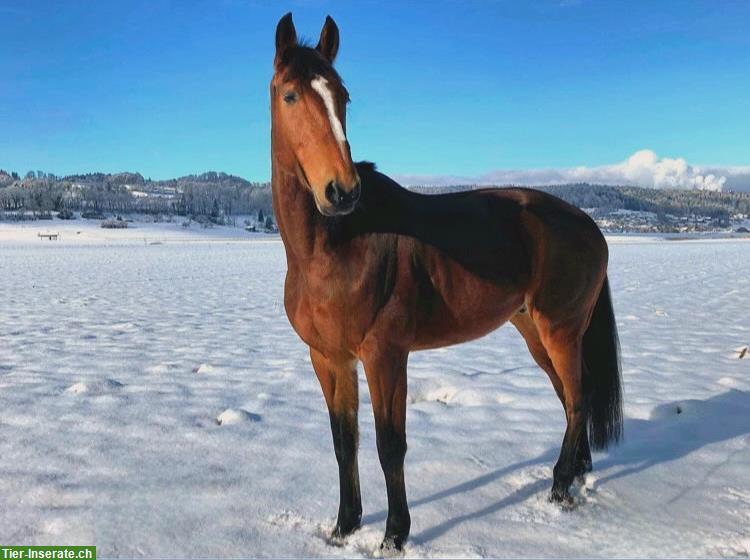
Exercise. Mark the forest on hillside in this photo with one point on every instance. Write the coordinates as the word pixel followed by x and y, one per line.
pixel 210 194
pixel 216 195
pixel 605 198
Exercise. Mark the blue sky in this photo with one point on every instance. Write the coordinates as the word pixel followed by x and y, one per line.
pixel 438 88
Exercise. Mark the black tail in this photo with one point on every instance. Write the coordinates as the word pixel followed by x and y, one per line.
pixel 601 373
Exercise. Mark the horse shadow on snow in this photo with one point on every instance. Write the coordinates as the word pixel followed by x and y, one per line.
pixel 673 431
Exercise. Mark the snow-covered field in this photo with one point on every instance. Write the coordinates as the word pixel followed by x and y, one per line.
pixel 155 402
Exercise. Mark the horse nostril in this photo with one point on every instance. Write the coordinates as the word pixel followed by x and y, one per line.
pixel 349 198
pixel 333 194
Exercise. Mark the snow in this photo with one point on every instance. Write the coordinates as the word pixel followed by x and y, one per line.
pixel 155 402
pixel 89 232
pixel 231 416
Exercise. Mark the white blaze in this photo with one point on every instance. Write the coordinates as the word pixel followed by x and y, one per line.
pixel 320 85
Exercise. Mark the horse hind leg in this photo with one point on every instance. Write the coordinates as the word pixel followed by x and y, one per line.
pixel 592 396
pixel 526 326
pixel 565 352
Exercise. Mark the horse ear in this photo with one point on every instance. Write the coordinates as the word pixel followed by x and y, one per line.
pixel 328 45
pixel 286 36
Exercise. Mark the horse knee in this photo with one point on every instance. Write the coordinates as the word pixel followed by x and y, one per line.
pixel 345 436
pixel 391 447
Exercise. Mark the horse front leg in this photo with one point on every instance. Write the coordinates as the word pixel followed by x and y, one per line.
pixel 338 379
pixel 386 378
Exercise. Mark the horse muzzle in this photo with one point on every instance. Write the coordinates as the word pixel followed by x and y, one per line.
pixel 341 202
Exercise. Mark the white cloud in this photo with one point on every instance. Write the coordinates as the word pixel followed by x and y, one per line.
pixel 644 168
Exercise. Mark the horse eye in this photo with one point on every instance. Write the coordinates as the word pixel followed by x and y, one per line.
pixel 290 97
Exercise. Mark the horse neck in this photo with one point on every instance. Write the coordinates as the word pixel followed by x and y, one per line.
pixel 296 214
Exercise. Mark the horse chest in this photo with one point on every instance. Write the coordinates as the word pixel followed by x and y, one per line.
pixel 322 310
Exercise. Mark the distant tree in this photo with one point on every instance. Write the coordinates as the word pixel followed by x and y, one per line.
pixel 215 211
pixel 5 179
pixel 261 216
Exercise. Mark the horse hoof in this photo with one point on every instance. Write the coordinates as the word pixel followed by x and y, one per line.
pixel 562 497
pixel 339 534
pixel 392 545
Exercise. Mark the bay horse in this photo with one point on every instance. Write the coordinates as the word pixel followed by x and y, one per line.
pixel 376 271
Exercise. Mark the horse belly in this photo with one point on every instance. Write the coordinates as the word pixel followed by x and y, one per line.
pixel 466 314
